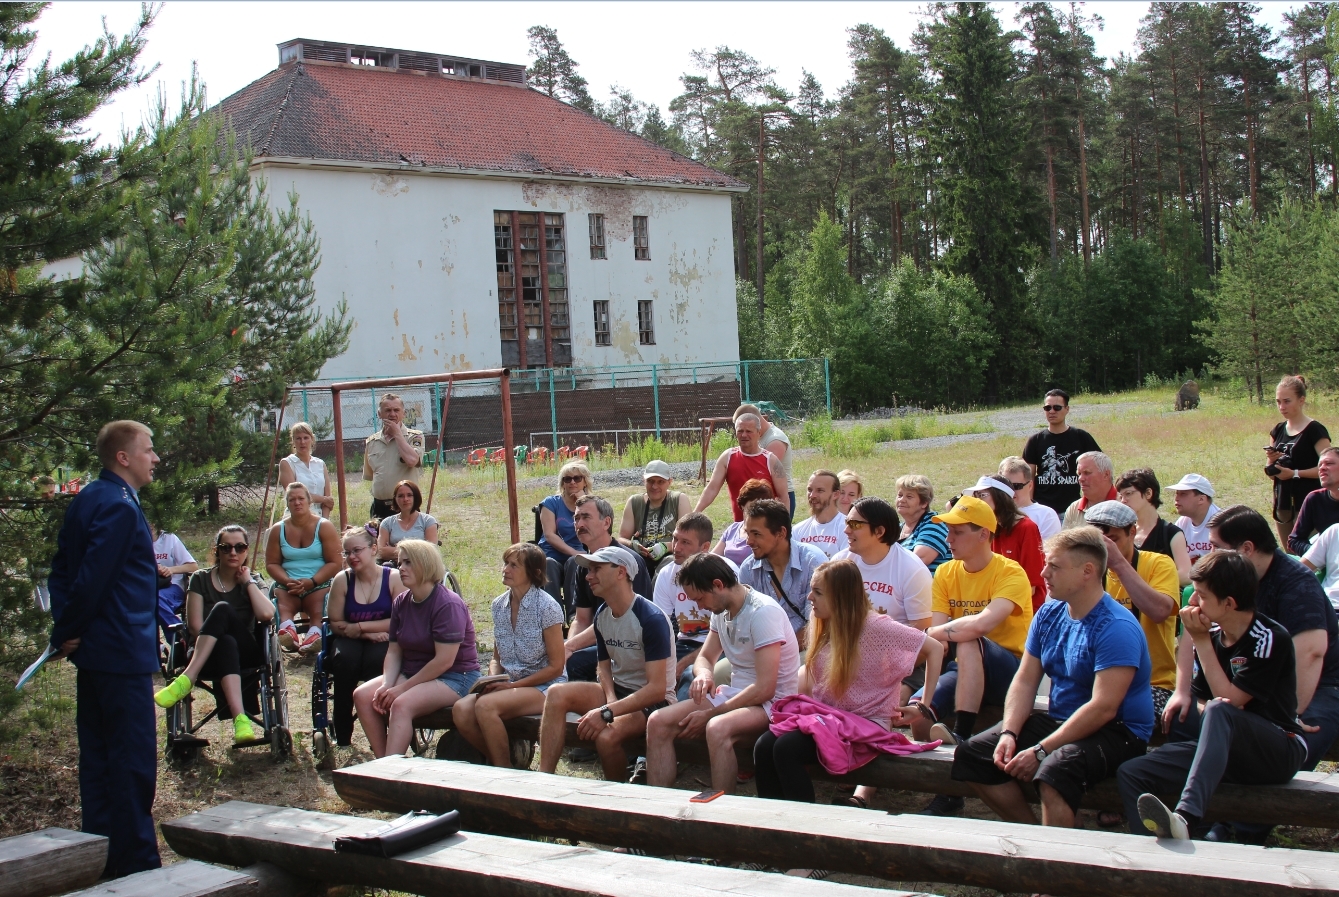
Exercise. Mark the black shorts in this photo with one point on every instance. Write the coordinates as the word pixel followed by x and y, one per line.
pixel 620 693
pixel 1070 770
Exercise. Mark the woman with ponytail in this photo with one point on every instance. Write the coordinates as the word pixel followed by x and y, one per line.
pixel 856 661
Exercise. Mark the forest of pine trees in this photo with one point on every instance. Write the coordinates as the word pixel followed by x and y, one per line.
pixel 1012 198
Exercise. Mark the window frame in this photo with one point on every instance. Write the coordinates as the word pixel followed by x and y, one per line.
pixel 603 334
pixel 646 322
pixel 641 242
pixel 598 242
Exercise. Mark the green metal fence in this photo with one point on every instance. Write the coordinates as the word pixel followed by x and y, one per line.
pixel 789 388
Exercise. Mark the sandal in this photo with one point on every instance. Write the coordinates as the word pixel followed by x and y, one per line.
pixel 1109 818
pixel 857 801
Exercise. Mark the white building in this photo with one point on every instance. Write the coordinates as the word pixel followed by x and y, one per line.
pixel 420 171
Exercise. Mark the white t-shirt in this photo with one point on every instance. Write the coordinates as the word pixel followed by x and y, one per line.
pixel 310 475
pixel 1047 520
pixel 828 538
pixel 900 585
pixel 169 551
pixel 694 622
pixel 759 623
pixel 1197 537
pixel 1324 554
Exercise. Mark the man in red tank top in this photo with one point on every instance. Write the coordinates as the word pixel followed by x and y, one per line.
pixel 739 464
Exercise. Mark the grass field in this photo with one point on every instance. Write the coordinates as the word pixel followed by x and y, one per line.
pixel 1221 440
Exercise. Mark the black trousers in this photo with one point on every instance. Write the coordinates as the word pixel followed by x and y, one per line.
pixel 118 766
pixel 236 647
pixel 383 507
pixel 779 764
pixel 352 660
pixel 1070 769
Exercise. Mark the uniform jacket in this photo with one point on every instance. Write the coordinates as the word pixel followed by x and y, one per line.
pixel 104 580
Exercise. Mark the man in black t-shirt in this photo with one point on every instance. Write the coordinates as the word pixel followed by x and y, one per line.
pixel 1245 682
pixel 1054 455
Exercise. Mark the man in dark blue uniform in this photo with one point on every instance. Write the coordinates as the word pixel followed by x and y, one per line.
pixel 103 590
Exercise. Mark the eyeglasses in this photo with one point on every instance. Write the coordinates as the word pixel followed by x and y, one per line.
pixel 232 547
pixel 575 479
pixel 855 524
pixel 350 552
pixel 1052 407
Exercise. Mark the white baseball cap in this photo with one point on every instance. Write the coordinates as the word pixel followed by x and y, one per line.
pixel 611 554
pixel 994 483
pixel 1193 482
pixel 657 468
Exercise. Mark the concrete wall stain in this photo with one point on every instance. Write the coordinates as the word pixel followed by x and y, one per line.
pixel 390 184
pixel 408 353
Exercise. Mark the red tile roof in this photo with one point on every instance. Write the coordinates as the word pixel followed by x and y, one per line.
pixel 348 113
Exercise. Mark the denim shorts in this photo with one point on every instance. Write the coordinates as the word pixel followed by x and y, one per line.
pixel 460 683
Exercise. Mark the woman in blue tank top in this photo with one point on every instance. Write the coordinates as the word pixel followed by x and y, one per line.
pixel 360 620
pixel 301 554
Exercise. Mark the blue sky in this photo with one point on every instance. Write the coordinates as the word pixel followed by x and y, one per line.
pixel 642 46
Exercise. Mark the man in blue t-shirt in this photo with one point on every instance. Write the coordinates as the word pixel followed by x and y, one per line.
pixel 1101 709
pixel 635 653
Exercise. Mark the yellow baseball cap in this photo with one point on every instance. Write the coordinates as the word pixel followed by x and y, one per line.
pixel 969 510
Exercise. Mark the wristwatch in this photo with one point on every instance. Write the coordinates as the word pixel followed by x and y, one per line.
pixel 1040 752
pixel 607 715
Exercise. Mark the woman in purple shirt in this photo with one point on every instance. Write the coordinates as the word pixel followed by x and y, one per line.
pixel 431 659
pixel 359 609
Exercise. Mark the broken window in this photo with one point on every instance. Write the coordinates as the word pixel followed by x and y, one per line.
pixel 646 322
pixel 602 322
pixel 533 321
pixel 641 242
pixel 596 236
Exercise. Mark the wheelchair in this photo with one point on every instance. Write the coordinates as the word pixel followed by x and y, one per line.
pixel 264 691
pixel 323 690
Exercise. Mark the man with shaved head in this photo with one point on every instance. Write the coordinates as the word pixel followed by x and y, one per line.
pixel 743 462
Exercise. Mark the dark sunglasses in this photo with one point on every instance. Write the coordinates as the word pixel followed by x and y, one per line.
pixel 231 547
pixel 1016 486
pixel 1052 407
pixel 574 479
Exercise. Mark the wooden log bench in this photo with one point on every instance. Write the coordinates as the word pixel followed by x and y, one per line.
pixel 1004 856
pixel 1310 799
pixel 50 861
pixel 184 879
pixel 301 841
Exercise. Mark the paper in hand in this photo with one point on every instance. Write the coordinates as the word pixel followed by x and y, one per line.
pixel 29 673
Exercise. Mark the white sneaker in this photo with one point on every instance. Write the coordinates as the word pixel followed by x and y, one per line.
pixel 1159 820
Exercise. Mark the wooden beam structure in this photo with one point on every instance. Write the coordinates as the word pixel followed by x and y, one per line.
pixel 1310 799
pixel 50 861
pixel 185 879
pixel 999 855
pixel 301 842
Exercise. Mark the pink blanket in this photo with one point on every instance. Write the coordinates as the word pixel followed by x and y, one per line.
pixel 844 741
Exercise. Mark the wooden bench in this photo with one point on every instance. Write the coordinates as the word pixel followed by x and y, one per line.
pixel 300 841
pixel 983 853
pixel 1310 799
pixel 184 879
pixel 51 861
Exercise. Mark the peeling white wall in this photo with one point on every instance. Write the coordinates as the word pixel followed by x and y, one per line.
pixel 413 256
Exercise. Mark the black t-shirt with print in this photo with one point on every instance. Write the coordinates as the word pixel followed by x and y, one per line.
pixel 1298 453
pixel 1056 456
pixel 1261 664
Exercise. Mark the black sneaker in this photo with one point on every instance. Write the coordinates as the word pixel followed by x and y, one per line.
pixel 944 805
pixel 638 772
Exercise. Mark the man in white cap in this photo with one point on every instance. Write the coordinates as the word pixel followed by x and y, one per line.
pixel 1194 502
pixel 1146 584
pixel 649 518
pixel 1320 509
pixel 825 528
pixel 635 650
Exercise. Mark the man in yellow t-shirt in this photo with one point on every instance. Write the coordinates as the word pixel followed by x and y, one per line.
pixel 1145 583
pixel 982 605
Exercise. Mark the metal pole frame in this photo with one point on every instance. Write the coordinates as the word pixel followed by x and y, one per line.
pixel 502 375
pixel 441 438
pixel 655 392
pixel 269 472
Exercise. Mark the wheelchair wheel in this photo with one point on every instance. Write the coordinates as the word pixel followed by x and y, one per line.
pixel 452 746
pixel 281 743
pixel 522 753
pixel 422 741
pixel 183 754
pixel 320 745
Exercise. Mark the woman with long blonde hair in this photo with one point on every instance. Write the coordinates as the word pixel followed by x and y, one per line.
pixel 856 661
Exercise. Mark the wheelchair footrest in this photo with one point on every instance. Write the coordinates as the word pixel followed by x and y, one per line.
pixel 187 741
